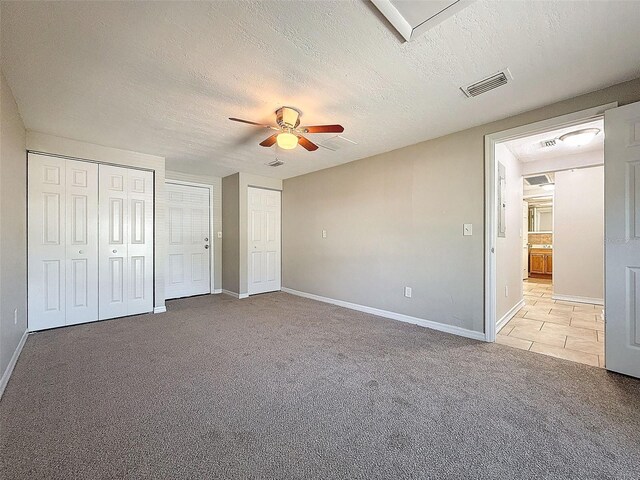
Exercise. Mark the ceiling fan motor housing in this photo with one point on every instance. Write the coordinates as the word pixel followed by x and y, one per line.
pixel 288 117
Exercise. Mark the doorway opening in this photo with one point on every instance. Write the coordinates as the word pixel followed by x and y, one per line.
pixel 546 268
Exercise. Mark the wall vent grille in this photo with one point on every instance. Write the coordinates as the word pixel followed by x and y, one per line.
pixel 489 83
pixel 275 163
pixel 538 180
pixel 548 143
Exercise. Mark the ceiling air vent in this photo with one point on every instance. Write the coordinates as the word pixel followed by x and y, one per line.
pixel 275 163
pixel 548 143
pixel 489 83
pixel 538 180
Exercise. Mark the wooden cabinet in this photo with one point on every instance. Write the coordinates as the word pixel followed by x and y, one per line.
pixel 541 261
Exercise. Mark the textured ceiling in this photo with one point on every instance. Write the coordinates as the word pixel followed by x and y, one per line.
pixel 162 78
pixel 529 149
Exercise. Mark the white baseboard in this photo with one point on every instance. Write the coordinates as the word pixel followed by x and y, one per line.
pixel 216 291
pixel 463 332
pixel 509 315
pixel 571 298
pixel 234 294
pixel 159 309
pixel 12 363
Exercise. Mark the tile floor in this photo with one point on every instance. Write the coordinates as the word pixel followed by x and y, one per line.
pixel 573 331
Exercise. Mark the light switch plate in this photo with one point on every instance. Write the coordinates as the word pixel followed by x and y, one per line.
pixel 324 234
pixel 219 234
pixel 467 229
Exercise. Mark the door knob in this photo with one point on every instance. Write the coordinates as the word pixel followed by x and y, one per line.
pixel 80 251
pixel 206 239
pixel 206 246
pixel 115 251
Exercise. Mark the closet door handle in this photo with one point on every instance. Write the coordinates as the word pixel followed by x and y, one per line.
pixel 115 251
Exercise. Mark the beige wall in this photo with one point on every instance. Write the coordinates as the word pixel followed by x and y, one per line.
pixel 40 142
pixel 395 220
pixel 231 233
pixel 509 248
pixel 216 243
pixel 235 215
pixel 578 239
pixel 13 234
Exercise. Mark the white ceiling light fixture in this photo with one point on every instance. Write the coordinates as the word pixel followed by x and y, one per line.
pixel 580 137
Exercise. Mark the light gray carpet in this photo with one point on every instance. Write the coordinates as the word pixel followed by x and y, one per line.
pixel 277 386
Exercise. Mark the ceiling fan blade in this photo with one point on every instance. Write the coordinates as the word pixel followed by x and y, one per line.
pixel 323 129
pixel 252 123
pixel 307 144
pixel 267 142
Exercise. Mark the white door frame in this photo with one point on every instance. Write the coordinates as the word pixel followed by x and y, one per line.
pixel 490 202
pixel 212 244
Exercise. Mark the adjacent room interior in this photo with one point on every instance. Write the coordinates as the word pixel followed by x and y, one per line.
pixel 340 239
pixel 552 187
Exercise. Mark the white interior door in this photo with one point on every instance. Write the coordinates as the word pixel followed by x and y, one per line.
pixel 189 257
pixel 81 242
pixel 126 242
pixel 525 240
pixel 264 241
pixel 46 237
pixel 622 239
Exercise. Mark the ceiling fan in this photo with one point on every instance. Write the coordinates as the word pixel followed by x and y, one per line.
pixel 290 133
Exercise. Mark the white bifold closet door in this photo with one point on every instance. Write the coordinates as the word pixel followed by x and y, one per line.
pixel 264 241
pixel 63 242
pixel 188 266
pixel 126 241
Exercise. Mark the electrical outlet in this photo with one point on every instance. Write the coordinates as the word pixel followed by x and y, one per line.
pixel 219 234
pixel 324 234
pixel 15 316
pixel 506 290
pixel 407 292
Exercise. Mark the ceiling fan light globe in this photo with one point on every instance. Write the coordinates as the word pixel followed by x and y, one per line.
pixel 580 137
pixel 287 141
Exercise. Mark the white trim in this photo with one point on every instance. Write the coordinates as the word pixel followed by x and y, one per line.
pixel 216 291
pixel 463 332
pixel 234 294
pixel 212 274
pixel 491 233
pixel 12 363
pixel 160 309
pixel 571 298
pixel 509 315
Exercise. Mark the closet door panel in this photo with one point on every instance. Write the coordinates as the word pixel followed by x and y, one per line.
pixel 140 242
pixel 81 242
pixel 113 244
pixel 46 240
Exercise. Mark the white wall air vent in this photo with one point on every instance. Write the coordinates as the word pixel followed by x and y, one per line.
pixel 275 163
pixel 538 180
pixel 489 83
pixel 548 143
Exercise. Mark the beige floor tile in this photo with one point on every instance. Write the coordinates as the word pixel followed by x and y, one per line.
pixel 522 312
pixel 585 316
pixel 558 352
pixel 584 308
pixel 593 325
pixel 529 301
pixel 568 330
pixel 571 304
pixel 560 320
pixel 548 338
pixel 513 342
pixel 506 329
pixel 561 313
pixel 534 325
pixel 560 306
pixel 584 345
